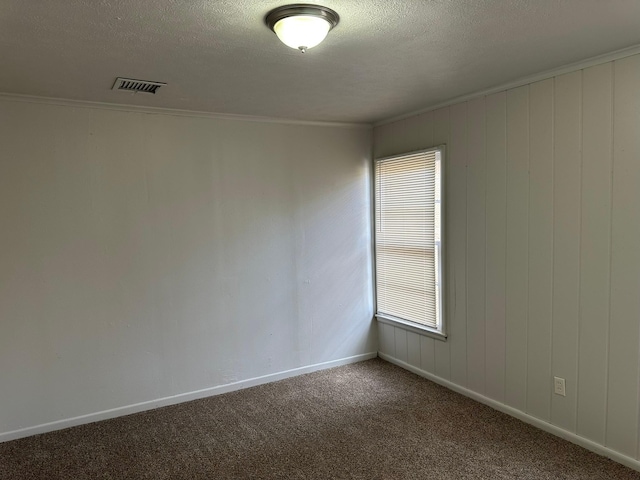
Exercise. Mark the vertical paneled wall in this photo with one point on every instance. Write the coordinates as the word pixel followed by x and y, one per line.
pixel 146 256
pixel 543 258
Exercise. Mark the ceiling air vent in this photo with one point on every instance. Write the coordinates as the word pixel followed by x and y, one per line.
pixel 130 85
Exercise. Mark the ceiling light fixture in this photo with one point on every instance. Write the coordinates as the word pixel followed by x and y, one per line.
pixel 302 26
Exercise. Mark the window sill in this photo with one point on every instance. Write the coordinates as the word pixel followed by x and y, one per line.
pixel 412 327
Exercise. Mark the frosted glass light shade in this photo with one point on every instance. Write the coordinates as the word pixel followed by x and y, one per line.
pixel 302 31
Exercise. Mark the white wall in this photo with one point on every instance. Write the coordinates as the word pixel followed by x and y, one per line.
pixel 148 255
pixel 544 249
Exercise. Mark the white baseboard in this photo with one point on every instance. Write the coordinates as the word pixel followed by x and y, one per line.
pixel 175 399
pixel 536 422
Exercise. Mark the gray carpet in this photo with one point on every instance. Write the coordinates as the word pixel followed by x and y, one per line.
pixel 370 420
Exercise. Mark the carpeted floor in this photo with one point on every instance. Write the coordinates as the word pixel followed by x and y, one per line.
pixel 369 420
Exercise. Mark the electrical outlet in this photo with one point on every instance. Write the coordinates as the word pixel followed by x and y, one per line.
pixel 559 386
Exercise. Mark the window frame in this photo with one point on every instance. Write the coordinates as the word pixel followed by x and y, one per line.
pixel 439 334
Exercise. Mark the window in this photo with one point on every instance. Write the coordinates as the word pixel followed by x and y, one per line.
pixel 408 240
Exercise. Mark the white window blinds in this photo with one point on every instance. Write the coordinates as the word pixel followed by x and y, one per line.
pixel 408 220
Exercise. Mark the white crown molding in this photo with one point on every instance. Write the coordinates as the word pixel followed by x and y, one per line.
pixel 180 398
pixel 520 415
pixel 572 67
pixel 14 97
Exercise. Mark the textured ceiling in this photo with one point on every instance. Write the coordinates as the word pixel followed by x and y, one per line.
pixel 385 58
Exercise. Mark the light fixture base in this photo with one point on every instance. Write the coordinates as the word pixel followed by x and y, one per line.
pixel 297 9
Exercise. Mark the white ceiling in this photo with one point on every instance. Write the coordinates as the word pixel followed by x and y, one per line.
pixel 385 58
